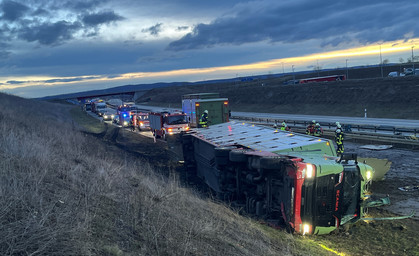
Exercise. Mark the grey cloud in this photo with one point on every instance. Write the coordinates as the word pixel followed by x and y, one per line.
pixel 4 55
pixel 296 21
pixel 40 12
pixel 182 28
pixel 13 10
pixel 95 19
pixel 50 33
pixel 15 82
pixel 83 5
pixel 113 76
pixel 65 80
pixel 153 30
pixel 30 22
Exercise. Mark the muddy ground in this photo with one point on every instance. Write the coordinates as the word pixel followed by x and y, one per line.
pixel 404 172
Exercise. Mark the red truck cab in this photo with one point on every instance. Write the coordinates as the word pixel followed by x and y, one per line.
pixel 164 124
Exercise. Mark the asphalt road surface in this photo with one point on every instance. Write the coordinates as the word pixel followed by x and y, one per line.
pixel 399 123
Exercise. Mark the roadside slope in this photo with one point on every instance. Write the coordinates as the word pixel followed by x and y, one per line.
pixel 64 192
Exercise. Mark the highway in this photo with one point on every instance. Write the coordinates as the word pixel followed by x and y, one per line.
pixel 398 123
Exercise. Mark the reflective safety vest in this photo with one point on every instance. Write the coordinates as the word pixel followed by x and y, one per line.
pixel 203 121
pixel 339 138
pixel 318 131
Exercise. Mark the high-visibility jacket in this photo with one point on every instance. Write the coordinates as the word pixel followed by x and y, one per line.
pixel 318 131
pixel 203 121
pixel 339 138
pixel 310 129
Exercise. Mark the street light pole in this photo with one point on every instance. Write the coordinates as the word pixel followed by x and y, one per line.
pixel 347 74
pixel 293 75
pixel 381 63
pixel 413 62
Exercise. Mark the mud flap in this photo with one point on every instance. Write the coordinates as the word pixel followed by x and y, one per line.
pixel 377 203
pixel 380 166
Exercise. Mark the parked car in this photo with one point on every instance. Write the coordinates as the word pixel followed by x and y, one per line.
pixel 393 74
pixel 108 116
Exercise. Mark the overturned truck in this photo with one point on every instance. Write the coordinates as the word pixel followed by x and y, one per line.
pixel 290 180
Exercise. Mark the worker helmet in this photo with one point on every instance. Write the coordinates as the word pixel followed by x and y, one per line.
pixel 284 124
pixel 338 131
pixel 339 126
pixel 317 124
pixel 206 111
pixel 314 121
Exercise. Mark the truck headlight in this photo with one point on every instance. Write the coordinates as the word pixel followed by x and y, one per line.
pixel 369 175
pixel 309 171
pixel 105 116
pixel 307 229
pixel 125 123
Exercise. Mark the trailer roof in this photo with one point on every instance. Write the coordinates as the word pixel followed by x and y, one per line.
pixel 264 138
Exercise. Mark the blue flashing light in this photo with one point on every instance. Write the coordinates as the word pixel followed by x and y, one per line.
pixel 124 115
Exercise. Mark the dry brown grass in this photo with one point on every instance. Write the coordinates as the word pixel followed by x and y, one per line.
pixel 65 193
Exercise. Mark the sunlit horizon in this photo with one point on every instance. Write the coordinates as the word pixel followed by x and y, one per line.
pixel 300 63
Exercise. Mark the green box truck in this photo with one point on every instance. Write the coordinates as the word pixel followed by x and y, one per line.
pixel 194 105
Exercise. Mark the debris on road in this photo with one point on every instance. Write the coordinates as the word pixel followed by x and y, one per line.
pixel 409 188
pixel 376 147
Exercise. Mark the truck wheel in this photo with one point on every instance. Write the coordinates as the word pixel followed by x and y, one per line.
pixel 238 155
pixel 221 155
pixel 271 163
pixel 223 151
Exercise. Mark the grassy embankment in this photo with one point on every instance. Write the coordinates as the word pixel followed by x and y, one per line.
pixel 382 97
pixel 64 192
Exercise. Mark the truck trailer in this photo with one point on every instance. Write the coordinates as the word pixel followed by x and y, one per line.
pixel 194 105
pixel 291 180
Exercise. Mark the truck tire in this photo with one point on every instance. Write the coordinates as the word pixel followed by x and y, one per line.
pixel 238 155
pixel 221 155
pixel 271 163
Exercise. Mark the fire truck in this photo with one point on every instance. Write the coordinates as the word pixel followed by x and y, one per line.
pixel 140 120
pixel 124 113
pixel 290 180
pixel 164 124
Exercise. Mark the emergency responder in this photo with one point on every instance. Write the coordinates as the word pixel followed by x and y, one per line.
pixel 284 127
pixel 203 121
pixel 339 140
pixel 338 126
pixel 310 128
pixel 132 123
pixel 318 130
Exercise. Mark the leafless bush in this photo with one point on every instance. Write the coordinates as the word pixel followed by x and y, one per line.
pixel 62 193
